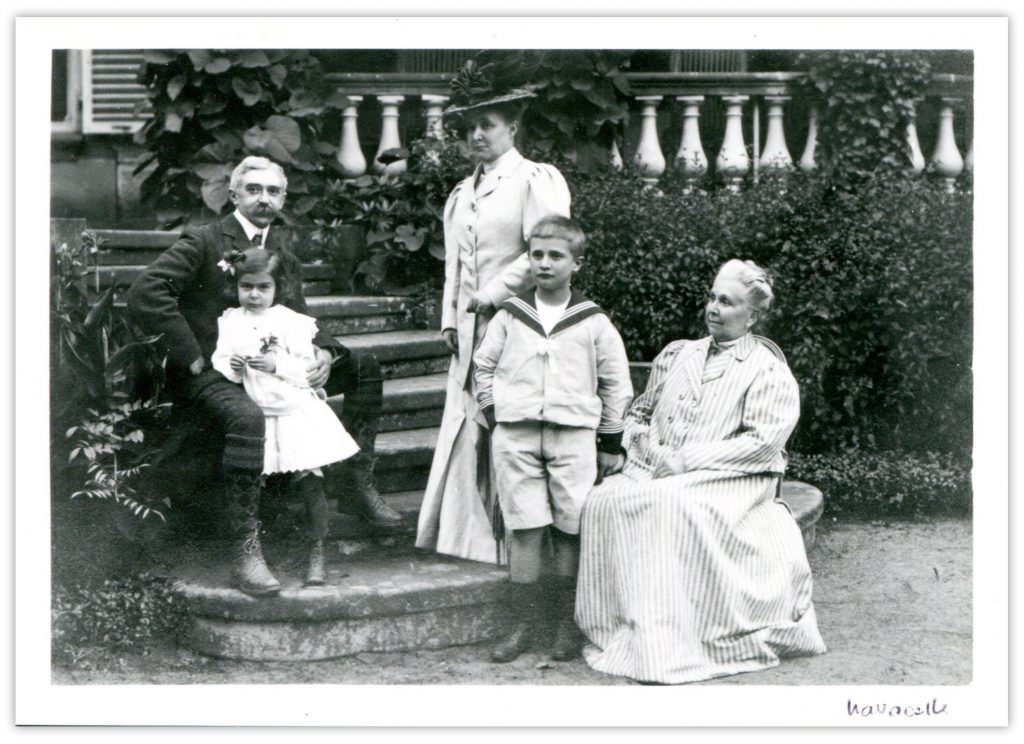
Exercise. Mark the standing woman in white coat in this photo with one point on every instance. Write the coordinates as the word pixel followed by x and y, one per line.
pixel 487 221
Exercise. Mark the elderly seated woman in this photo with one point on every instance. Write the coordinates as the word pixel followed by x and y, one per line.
pixel 690 568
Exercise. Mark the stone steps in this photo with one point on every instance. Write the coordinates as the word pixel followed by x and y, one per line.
pixel 405 353
pixel 354 315
pixel 381 595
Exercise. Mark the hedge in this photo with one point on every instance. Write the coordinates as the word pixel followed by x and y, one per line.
pixel 886 484
pixel 873 292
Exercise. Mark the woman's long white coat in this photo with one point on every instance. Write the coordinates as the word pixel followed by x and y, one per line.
pixel 486 225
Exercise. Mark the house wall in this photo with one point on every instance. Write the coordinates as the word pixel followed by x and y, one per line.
pixel 91 178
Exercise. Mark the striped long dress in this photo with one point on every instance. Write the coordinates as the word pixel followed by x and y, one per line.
pixel 690 569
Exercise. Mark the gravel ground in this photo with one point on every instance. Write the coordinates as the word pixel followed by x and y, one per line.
pixel 893 601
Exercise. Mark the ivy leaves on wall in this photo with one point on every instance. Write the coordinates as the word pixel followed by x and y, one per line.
pixel 214 107
pixel 865 100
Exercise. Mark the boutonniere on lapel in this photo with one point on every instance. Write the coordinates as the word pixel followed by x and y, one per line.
pixel 227 264
pixel 269 343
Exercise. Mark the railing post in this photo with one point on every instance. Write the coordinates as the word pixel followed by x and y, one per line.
pixel 916 157
pixel 350 154
pixel 389 138
pixel 434 114
pixel 649 158
pixel 776 154
pixel 807 164
pixel 946 159
pixel 969 157
pixel 691 159
pixel 732 161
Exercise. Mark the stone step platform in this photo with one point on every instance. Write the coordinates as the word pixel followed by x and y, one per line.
pixel 409 353
pixel 409 402
pixel 404 458
pixel 413 402
pixel 340 315
pixel 381 595
pixel 385 604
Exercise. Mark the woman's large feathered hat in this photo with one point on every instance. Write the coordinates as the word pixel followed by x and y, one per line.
pixel 473 88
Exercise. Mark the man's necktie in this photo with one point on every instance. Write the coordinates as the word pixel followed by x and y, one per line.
pixel 257 240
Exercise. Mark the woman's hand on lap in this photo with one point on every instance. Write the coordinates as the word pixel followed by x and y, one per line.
pixel 610 464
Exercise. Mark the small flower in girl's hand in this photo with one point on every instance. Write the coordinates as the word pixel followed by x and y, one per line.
pixel 269 343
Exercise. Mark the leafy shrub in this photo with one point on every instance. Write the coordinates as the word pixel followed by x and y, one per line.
pixel 105 386
pixel 134 614
pixel 212 107
pixel 886 484
pixel 403 215
pixel 873 287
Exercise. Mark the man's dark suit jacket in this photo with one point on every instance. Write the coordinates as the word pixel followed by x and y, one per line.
pixel 181 294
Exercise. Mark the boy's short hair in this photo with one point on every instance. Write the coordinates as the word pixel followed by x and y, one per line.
pixel 562 228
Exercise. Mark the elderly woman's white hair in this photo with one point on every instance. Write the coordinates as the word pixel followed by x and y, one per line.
pixel 757 281
pixel 255 162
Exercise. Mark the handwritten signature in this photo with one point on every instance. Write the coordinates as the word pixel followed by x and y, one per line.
pixel 931 708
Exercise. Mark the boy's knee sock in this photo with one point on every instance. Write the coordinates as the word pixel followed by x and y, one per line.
pixel 567 553
pixel 525 555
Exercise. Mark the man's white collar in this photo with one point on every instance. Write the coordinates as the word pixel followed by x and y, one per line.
pixel 249 228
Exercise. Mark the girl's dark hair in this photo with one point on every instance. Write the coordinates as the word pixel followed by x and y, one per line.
pixel 259 261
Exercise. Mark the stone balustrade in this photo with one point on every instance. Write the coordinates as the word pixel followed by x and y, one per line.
pixel 717 118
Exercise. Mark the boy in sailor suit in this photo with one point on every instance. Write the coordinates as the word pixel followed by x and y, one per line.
pixel 553 383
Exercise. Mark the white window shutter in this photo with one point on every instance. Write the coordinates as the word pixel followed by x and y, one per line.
pixel 111 92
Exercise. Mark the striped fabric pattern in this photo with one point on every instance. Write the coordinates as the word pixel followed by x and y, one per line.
pixel 689 567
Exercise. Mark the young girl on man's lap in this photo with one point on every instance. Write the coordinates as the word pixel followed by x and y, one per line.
pixel 268 347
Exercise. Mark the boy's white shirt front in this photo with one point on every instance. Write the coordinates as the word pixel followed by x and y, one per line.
pixel 550 314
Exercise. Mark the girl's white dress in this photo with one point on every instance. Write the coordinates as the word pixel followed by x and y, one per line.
pixel 302 431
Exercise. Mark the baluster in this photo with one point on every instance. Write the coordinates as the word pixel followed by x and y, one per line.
pixel 691 159
pixel 776 154
pixel 946 160
pixel 916 157
pixel 807 164
pixel 350 154
pixel 732 161
pixel 649 158
pixel 434 114
pixel 389 138
pixel 969 157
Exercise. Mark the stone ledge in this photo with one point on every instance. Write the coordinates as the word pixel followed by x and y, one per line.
pixel 380 602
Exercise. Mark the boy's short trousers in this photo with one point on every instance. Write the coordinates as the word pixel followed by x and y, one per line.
pixel 544 473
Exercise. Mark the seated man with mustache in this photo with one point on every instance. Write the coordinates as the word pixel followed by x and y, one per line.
pixel 181 295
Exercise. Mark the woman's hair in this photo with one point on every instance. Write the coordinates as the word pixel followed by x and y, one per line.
pixel 255 162
pixel 258 261
pixel 757 281
pixel 562 228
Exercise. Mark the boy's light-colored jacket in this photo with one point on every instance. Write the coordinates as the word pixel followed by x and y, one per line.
pixel 576 376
